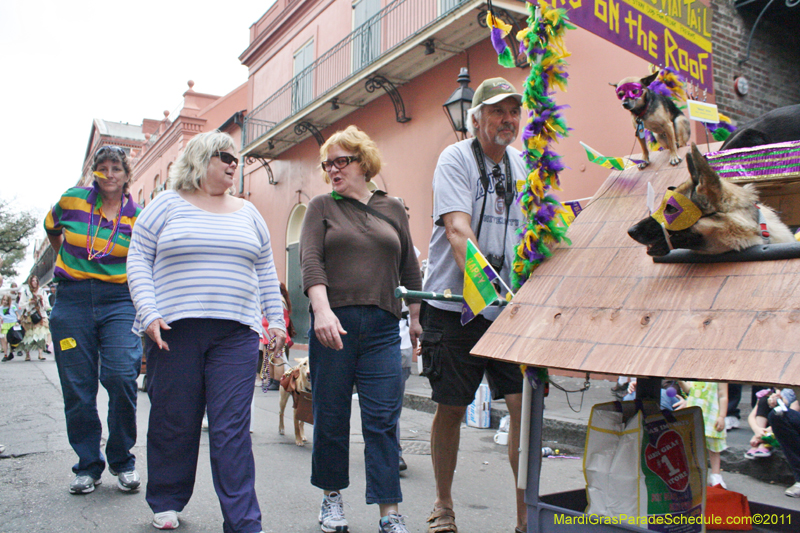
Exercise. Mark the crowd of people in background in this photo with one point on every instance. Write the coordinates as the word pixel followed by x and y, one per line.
pixel 190 281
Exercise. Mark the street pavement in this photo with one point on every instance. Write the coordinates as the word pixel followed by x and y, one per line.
pixel 35 468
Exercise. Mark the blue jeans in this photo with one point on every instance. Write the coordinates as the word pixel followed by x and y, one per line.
pixel 370 359
pixel 91 326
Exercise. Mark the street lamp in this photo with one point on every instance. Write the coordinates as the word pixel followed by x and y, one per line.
pixel 459 103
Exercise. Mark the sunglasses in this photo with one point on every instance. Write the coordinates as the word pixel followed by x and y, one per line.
pixel 338 163
pixel 630 90
pixel 110 148
pixel 226 157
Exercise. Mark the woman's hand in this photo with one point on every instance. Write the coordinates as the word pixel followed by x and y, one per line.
pixel 154 332
pixel 680 404
pixel 280 338
pixel 328 329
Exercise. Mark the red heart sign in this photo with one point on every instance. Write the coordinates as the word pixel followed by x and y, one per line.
pixel 667 459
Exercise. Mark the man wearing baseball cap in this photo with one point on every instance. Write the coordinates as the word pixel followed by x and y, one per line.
pixel 474 190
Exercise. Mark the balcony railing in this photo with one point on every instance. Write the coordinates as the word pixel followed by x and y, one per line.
pixel 388 29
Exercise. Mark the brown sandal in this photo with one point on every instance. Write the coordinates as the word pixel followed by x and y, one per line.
pixel 442 520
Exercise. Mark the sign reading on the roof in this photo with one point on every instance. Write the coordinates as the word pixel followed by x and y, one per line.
pixel 668 33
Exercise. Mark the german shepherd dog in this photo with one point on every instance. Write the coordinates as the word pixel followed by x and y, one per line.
pixel 655 112
pixel 709 215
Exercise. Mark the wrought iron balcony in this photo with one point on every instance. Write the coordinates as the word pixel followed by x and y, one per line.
pixel 397 24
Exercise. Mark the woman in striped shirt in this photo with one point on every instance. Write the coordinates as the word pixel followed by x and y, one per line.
pixel 201 273
pixel 90 228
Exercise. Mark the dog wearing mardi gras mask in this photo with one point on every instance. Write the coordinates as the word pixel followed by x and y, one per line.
pixel 709 215
pixel 655 112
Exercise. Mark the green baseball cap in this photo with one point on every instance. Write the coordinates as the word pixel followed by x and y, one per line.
pixel 493 90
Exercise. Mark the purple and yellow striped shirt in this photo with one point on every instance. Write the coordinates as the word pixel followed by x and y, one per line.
pixel 70 216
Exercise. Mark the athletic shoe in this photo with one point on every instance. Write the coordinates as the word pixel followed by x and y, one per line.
pixel 9 357
pixel 716 479
pixel 83 484
pixel 793 491
pixel 403 465
pixel 166 520
pixel 127 480
pixel 331 514
pixel 731 422
pixel 393 523
pixel 274 384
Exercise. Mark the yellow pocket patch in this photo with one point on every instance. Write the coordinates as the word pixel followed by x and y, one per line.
pixel 68 344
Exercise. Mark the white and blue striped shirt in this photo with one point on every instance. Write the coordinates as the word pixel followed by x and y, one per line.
pixel 185 262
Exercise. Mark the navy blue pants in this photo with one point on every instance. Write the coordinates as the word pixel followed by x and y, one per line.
pixel 209 367
pixel 370 359
pixel 91 327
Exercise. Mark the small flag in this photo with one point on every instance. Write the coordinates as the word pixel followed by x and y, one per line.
pixel 478 289
pixel 614 163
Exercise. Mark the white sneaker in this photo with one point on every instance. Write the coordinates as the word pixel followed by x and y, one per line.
pixel 127 481
pixel 793 491
pixel 716 479
pixel 331 514
pixel 83 484
pixel 731 422
pixel 394 523
pixel 166 520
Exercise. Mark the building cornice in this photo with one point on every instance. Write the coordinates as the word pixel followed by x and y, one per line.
pixel 284 22
pixel 182 125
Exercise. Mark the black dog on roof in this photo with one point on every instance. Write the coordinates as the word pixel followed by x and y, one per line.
pixel 777 126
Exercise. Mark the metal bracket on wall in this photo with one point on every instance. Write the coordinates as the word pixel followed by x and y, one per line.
pixel 379 82
pixel 302 127
pixel 506 17
pixel 250 159
pixel 752 32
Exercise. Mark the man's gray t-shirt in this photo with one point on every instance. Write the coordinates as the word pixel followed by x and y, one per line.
pixel 457 187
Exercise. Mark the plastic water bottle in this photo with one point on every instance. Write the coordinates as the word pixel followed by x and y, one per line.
pixel 547 451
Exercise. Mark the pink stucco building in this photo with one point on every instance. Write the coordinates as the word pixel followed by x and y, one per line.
pixel 386 66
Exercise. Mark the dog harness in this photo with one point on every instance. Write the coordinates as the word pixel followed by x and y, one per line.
pixel 762 224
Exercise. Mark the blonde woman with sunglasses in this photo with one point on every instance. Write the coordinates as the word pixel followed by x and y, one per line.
pixel 201 274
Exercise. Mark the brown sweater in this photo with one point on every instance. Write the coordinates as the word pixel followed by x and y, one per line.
pixel 358 256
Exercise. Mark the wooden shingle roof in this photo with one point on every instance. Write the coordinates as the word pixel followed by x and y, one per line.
pixel 602 305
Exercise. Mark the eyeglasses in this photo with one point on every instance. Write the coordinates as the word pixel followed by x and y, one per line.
pixel 226 157
pixel 110 148
pixel 339 163
pixel 630 90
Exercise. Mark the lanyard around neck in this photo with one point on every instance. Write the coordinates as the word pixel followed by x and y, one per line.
pixel 480 158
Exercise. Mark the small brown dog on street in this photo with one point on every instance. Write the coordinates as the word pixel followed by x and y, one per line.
pixel 655 112
pixel 296 383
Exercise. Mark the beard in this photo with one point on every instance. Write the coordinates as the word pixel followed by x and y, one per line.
pixel 501 140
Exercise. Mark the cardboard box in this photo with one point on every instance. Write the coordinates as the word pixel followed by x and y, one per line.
pixel 479 412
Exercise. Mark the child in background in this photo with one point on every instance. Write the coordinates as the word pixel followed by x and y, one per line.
pixel 9 318
pixel 758 421
pixel 712 398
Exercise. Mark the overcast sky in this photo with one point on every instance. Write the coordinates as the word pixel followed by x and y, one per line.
pixel 66 63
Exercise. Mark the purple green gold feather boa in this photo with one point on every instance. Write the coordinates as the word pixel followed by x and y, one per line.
pixel 542 42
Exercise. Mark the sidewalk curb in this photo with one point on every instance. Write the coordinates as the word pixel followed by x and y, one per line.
pixel 771 470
